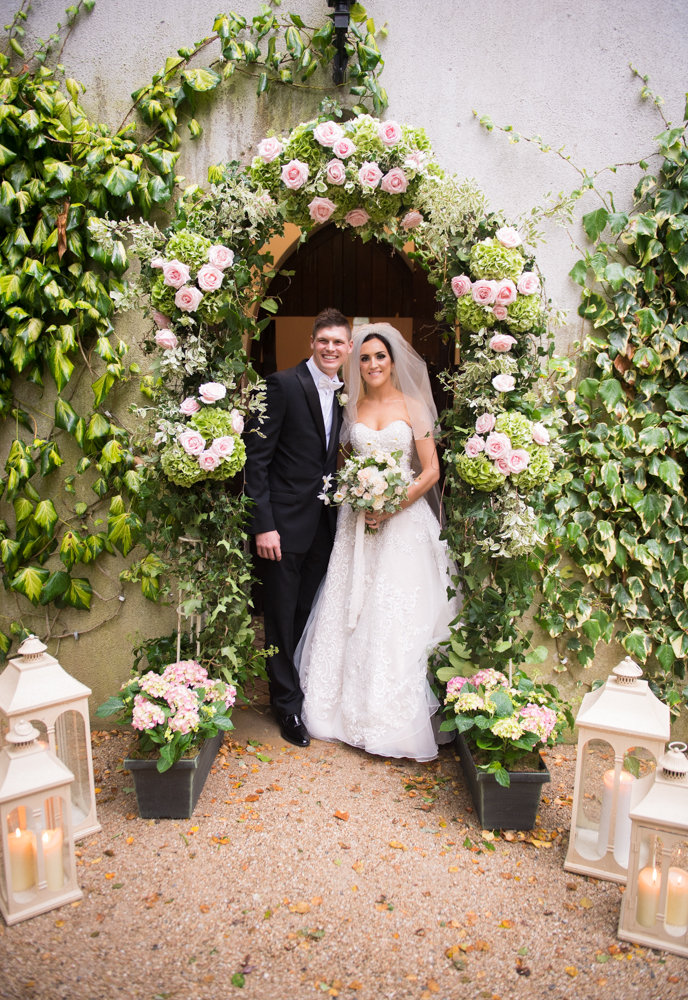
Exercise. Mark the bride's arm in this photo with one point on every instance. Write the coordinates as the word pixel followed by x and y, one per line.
pixel 429 475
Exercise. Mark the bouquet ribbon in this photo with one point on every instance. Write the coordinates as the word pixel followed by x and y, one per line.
pixel 357 584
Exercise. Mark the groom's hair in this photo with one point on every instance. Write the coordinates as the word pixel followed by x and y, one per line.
pixel 330 317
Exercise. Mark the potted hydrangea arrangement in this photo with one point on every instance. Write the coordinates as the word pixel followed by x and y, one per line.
pixel 501 727
pixel 180 715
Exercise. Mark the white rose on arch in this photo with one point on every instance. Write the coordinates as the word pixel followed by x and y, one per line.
pixel 509 237
pixel 220 256
pixel 212 392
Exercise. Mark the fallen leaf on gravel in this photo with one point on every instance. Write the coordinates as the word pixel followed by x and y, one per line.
pixel 420 932
pixel 397 845
pixel 453 868
pixel 521 969
pixel 276 788
pixel 316 901
pixel 130 840
pixel 585 903
pixel 601 981
pixel 237 978
pixel 481 946
pixel 433 986
pixel 571 970
pixel 358 867
pixel 251 798
pixel 59 923
pixel 341 815
pixel 344 847
pixel 109 874
pixel 204 908
pixel 507 923
pixel 572 886
pixel 487 835
pixel 355 985
pixel 300 908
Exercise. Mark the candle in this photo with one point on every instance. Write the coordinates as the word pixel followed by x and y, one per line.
pixel 676 918
pixel 52 858
pixel 649 884
pixel 22 845
pixel 622 827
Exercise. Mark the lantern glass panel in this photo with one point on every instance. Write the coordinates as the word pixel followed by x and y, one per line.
pixel 52 838
pixel 43 739
pixel 599 756
pixel 649 878
pixel 21 843
pixel 676 911
pixel 70 746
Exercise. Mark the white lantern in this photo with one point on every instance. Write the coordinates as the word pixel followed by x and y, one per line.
pixel 622 729
pixel 654 909
pixel 37 867
pixel 34 686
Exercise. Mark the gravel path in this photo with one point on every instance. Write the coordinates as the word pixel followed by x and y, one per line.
pixel 327 872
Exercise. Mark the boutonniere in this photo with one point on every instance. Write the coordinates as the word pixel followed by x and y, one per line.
pixel 343 399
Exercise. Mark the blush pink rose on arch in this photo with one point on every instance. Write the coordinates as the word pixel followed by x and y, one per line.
pixel 502 465
pixel 394 182
pixel 369 175
pixel 212 392
pixel 209 278
pixel 189 406
pixel 188 299
pixel 540 434
pixel 499 312
pixel 192 442
pixel 518 460
pixel 356 217
pixel 411 220
pixel 237 422
pixel 497 446
pixel 320 209
pixel 221 256
pixel 294 174
pixel 160 320
pixel 343 148
pixel 506 292
pixel 504 383
pixel 528 283
pixel 485 423
pixel 474 445
pixel 508 236
pixel 166 339
pixel 175 273
pixel 484 292
pixel 269 149
pixel 223 447
pixel 208 461
pixel 335 172
pixel 502 342
pixel 461 285
pixel 327 133
pixel 389 133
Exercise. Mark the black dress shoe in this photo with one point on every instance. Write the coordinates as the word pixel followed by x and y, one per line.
pixel 293 730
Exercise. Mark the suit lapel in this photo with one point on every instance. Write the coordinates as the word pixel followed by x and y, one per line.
pixel 306 380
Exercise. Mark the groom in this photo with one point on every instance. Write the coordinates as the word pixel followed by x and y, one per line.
pixel 294 531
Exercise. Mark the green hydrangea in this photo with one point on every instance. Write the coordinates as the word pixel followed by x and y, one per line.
pixel 490 260
pixel 382 206
pixel 179 467
pixel 212 422
pixel 538 471
pixel 472 317
pixel 524 313
pixel 190 248
pixel 517 427
pixel 479 472
pixel 162 295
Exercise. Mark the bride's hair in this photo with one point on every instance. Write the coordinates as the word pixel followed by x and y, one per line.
pixel 382 339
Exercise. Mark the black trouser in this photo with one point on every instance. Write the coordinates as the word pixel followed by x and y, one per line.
pixel 289 589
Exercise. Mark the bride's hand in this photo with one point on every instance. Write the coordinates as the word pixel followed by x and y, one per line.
pixel 375 520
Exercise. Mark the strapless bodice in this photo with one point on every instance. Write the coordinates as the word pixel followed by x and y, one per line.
pixel 397 436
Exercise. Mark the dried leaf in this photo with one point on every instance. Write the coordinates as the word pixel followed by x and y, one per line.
pixel 453 868
pixel 507 923
pixel 204 908
pixel 571 970
pixel 397 845
pixel 355 985
pixel 130 816
pixel 481 946
pixel 251 798
pixel 59 923
pixel 130 840
pixel 572 886
pixel 586 903
pixel 341 815
pixel 358 867
pixel 301 907
pixel 433 986
pixel 316 901
pixel 109 874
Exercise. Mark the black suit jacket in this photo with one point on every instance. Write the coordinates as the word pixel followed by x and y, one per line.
pixel 285 468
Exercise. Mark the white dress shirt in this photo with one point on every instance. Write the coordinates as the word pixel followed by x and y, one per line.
pixel 326 397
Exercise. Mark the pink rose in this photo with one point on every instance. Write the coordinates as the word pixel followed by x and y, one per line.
pixel 294 174
pixel 461 285
pixel 394 182
pixel 502 465
pixel 223 447
pixel 540 434
pixel 369 175
pixel 499 312
pixel 508 237
pixel 504 383
pixel 389 133
pixel 192 442
pixel 188 298
pixel 474 446
pixel 320 209
pixel 189 406
pixel 237 422
pixel 484 292
pixel 485 423
pixel 502 342
pixel 411 220
pixel 211 392
pixel 160 320
pixel 221 256
pixel 209 278
pixel 269 149
pixel 208 461
pixel 166 339
pixel 356 217
pixel 157 262
pixel 528 283
pixel 343 148
pixel 327 133
pixel 416 160
pixel 506 292
pixel 497 446
pixel 518 460
pixel 336 172
pixel 176 273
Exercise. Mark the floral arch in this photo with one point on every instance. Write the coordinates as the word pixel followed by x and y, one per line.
pixel 202 281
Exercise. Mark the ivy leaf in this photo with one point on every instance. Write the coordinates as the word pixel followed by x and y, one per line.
pixel 651 507
pixel 202 80
pixel 60 366
pixel 669 201
pixel 537 655
pixel 638 644
pixel 124 526
pixel 610 392
pixel 677 398
pixel 71 549
pixel 671 473
pixel 119 180
pixel 578 272
pixel 101 387
pixel 65 417
pixel 595 223
pixel 29 582
pixel 45 515
pixel 666 656
pixel 78 595
pixel 56 584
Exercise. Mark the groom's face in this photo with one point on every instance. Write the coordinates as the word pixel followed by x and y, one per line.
pixel 330 347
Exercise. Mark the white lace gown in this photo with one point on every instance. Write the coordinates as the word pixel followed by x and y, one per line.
pixel 367 685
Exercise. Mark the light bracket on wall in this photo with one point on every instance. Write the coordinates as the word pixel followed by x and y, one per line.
pixel 341 28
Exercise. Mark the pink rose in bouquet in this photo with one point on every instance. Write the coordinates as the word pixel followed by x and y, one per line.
pixel 160 320
pixel 188 298
pixel 320 209
pixel 484 292
pixel 502 465
pixel 210 278
pixel 461 285
pixel 237 421
pixel 343 148
pixel 540 434
pixel 518 460
pixel 208 461
pixel 528 283
pixel 508 237
pixel 411 220
pixel 502 342
pixel 157 262
pixel 175 273
pixel 395 181
pixel 506 292
pixel 497 446
pixel 485 423
pixel 269 149
pixel 327 133
pixel 499 312
pixel 389 133
pixel 356 217
pixel 211 392
pixel 192 442
pixel 504 383
pixel 166 339
pixel 335 172
pixel 369 175
pixel 474 445
pixel 294 174
pixel 221 256
pixel 189 406
pixel 223 447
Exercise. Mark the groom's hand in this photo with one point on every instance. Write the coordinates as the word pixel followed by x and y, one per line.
pixel 268 545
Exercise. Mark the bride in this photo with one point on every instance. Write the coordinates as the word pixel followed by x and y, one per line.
pixel 383 604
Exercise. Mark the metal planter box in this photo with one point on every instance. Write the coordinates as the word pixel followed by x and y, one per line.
pixel 498 808
pixel 172 794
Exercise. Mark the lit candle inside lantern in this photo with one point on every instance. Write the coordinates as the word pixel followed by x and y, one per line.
pixel 622 828
pixel 676 918
pixel 22 845
pixel 52 858
pixel 649 884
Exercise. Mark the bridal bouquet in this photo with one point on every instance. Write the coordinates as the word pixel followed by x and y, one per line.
pixel 174 709
pixel 374 483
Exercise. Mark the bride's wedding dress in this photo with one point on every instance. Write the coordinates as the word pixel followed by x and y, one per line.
pixel 365 681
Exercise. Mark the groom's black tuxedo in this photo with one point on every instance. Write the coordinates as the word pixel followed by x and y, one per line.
pixel 283 476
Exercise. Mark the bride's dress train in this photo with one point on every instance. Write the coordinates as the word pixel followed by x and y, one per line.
pixel 366 683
